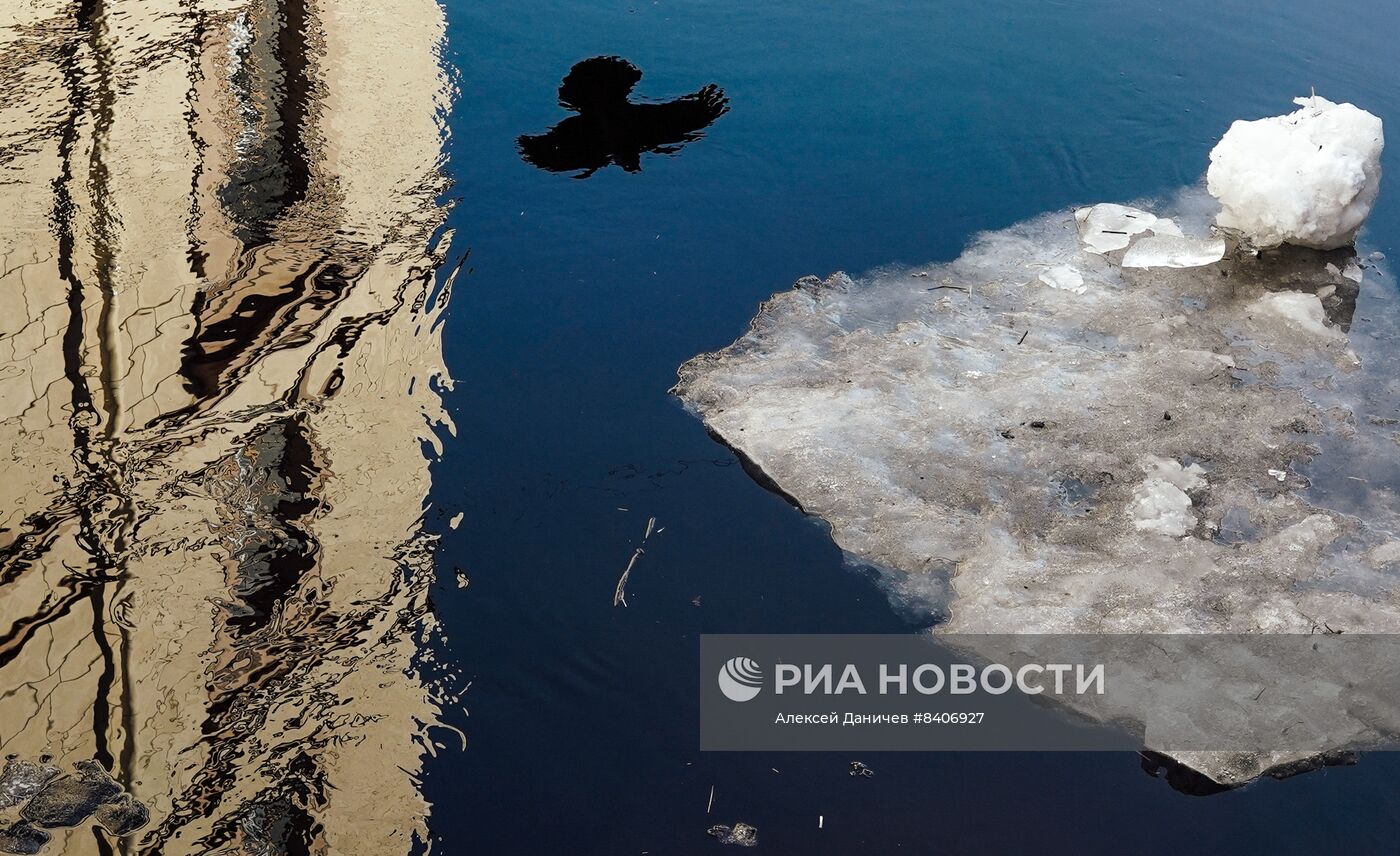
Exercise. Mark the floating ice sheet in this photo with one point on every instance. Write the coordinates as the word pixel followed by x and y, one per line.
pixel 1022 458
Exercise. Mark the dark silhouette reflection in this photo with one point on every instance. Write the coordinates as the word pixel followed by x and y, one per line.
pixel 609 128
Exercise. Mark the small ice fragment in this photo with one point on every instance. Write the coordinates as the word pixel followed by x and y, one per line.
pixel 1160 503
pixel 1303 311
pixel 740 833
pixel 1106 227
pixel 1333 269
pixel 1167 226
pixel 1278 474
pixel 1173 252
pixel 1377 256
pixel 1162 508
pixel 1308 178
pixel 1063 277
pixel 1353 272
pixel 1326 291
pixel 1187 477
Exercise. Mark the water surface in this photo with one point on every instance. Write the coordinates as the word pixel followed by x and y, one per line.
pixel 328 422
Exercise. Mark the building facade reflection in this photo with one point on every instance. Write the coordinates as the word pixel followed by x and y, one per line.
pixel 218 371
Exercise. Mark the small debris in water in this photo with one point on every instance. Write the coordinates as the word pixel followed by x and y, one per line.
pixel 859 769
pixel 740 833
pixel 51 798
pixel 22 838
pixel 620 593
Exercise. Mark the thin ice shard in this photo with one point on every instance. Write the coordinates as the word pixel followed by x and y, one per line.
pixel 1173 251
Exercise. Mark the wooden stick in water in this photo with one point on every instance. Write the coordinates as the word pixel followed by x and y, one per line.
pixel 620 595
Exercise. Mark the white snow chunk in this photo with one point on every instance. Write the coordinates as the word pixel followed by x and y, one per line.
pixel 1107 227
pixel 1063 277
pixel 1308 178
pixel 1303 311
pixel 1160 503
pixel 1173 251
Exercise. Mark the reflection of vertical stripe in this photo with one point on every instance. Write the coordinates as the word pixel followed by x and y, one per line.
pixel 294 109
pixel 94 24
pixel 273 82
pixel 198 38
pixel 303 296
pixel 101 701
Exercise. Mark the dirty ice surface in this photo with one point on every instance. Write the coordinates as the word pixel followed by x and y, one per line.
pixel 1308 178
pixel 1035 438
pixel 1039 439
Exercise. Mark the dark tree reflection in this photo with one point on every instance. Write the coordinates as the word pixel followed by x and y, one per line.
pixel 612 129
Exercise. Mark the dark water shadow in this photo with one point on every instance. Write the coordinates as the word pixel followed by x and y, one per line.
pixel 612 129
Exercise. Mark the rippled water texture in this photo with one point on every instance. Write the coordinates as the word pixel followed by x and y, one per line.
pixel 219 366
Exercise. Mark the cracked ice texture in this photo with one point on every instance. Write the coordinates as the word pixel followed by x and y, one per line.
pixel 1308 178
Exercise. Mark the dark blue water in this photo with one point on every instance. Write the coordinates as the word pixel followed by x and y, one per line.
pixel 858 135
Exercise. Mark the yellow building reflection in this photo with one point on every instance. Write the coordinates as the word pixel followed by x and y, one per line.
pixel 219 365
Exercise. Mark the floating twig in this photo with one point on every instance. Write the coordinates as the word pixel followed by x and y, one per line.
pixel 620 595
pixel 651 524
pixel 711 804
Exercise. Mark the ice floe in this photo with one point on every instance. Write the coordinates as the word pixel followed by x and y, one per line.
pixel 1057 442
